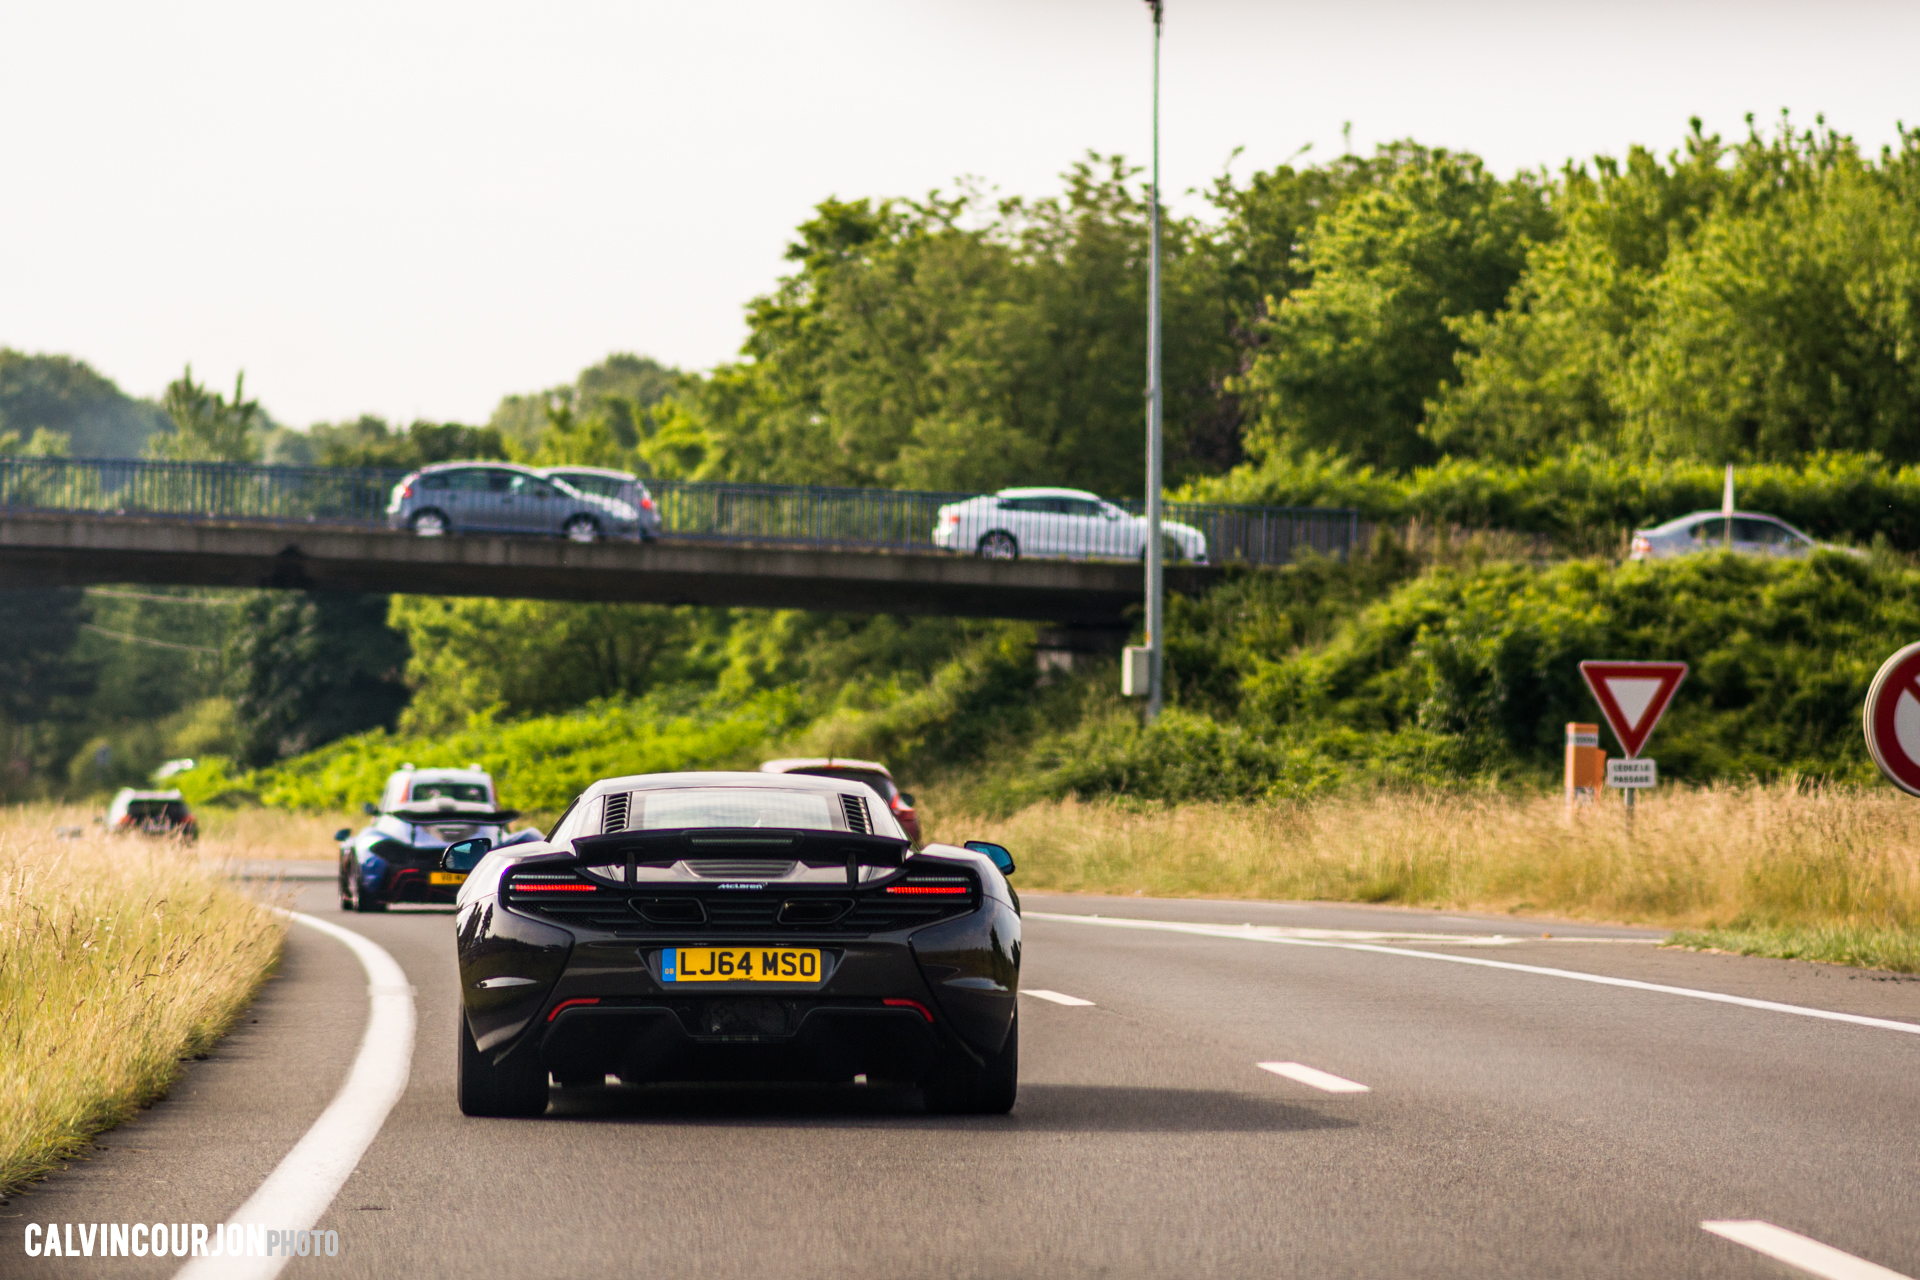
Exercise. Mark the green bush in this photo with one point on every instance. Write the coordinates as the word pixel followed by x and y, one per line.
pixel 1586 501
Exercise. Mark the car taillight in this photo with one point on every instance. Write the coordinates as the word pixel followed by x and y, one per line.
pixel 1642 547
pixel 646 504
pixel 406 491
pixel 901 806
pixel 550 884
pixel 953 518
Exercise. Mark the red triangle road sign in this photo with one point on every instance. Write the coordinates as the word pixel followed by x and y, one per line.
pixel 1633 696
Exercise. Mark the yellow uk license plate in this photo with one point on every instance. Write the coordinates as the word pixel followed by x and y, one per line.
pixel 740 964
pixel 446 877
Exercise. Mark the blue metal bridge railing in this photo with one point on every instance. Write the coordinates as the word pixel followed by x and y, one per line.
pixel 899 520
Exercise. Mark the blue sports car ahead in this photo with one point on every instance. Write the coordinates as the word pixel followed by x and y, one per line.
pixel 397 857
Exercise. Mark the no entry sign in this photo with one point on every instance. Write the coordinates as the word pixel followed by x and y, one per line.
pixel 1634 695
pixel 1892 719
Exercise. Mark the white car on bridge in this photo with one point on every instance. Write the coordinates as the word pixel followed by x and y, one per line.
pixel 1056 524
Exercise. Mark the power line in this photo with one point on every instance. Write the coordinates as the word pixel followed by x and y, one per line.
pixel 157 644
pixel 142 595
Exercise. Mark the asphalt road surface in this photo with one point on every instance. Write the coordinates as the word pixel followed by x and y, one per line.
pixel 1513 1122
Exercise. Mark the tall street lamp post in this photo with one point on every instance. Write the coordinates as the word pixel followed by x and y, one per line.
pixel 1155 581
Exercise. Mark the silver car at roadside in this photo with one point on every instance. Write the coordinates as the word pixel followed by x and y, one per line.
pixel 503 497
pixel 1748 532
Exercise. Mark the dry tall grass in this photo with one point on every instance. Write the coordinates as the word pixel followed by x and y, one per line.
pixel 244 834
pixel 1825 872
pixel 119 958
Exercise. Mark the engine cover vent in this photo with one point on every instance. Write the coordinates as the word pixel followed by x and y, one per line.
pixel 616 819
pixel 856 810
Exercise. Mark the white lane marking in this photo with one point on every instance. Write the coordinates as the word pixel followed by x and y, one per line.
pixel 1275 936
pixel 299 1190
pixel 1312 1076
pixel 1055 996
pixel 1796 1250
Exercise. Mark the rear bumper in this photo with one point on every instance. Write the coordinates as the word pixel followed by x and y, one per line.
pixel 741 1038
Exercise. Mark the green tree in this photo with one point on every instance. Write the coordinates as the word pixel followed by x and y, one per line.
pixel 1546 372
pixel 1347 364
pixel 1792 322
pixel 963 342
pixel 307 667
pixel 486 659
pixel 67 397
pixel 207 426
pixel 368 441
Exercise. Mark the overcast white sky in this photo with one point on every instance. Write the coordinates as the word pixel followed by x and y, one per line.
pixel 412 209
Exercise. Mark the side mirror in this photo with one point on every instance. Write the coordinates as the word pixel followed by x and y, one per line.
pixel 343 834
pixel 465 855
pixel 370 809
pixel 997 852
pixel 905 800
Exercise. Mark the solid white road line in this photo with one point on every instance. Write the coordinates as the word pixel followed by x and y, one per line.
pixel 1250 934
pixel 1799 1251
pixel 1056 997
pixel 1312 1076
pixel 297 1192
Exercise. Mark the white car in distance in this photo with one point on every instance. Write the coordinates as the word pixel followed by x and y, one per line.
pixel 1056 524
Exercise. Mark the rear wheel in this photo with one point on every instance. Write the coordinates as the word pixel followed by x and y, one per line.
pixel 356 898
pixel 429 524
pixel 963 1089
pixel 999 545
pixel 515 1087
pixel 582 529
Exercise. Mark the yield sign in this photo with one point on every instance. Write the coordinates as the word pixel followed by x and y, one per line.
pixel 1633 696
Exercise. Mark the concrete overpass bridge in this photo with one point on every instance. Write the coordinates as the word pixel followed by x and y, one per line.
pixel 77 521
pixel 80 549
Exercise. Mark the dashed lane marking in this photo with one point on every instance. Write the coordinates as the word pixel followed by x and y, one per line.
pixel 1796 1250
pixel 1318 1079
pixel 1057 998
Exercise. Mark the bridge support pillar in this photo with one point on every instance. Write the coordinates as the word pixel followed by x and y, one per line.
pixel 1057 650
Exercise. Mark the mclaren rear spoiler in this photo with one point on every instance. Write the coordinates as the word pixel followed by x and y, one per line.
pixel 634 849
pixel 484 817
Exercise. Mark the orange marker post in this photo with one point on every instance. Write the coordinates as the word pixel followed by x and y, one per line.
pixel 1586 764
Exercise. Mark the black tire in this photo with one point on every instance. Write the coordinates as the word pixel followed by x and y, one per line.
pixel 998 545
pixel 581 529
pixel 962 1089
pixel 430 523
pixel 515 1087
pixel 355 900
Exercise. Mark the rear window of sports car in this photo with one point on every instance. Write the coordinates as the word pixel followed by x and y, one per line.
pixel 464 792
pixel 732 807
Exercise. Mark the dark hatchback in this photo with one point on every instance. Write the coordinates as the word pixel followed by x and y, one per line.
pixel 736 927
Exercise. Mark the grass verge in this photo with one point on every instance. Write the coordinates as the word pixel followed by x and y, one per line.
pixel 1815 872
pixel 119 959
pixel 1862 946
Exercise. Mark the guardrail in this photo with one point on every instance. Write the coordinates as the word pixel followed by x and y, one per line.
pixel 793 515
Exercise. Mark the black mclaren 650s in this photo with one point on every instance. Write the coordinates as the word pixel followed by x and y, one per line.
pixel 735 927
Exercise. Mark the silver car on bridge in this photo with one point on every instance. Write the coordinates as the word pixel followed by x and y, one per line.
pixel 622 486
pixel 1057 524
pixel 501 497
